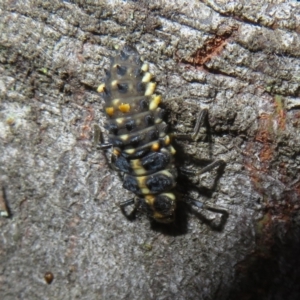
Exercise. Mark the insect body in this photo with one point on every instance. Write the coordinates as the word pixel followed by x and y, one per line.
pixel 138 134
pixel 142 150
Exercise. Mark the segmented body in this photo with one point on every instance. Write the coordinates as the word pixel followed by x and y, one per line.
pixel 142 149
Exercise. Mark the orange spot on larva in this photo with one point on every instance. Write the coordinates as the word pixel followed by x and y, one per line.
pixel 155 147
pixel 110 111
pixel 116 152
pixel 124 107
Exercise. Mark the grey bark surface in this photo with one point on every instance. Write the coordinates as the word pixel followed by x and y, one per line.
pixel 241 60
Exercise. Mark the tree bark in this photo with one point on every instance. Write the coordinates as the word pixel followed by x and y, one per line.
pixel 241 60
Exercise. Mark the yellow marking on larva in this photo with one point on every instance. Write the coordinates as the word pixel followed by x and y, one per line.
pixel 137 167
pixel 166 173
pixel 129 151
pixel 150 199
pixel 169 195
pixel 162 134
pixel 120 121
pixel 135 163
pixel 101 88
pixel 116 102
pixel 167 140
pixel 157 215
pixel 116 152
pixel 124 137
pixel 157 120
pixel 155 101
pixel 147 77
pixel 124 107
pixel 145 67
pixel 172 150
pixel 140 171
pixel 145 191
pixel 150 88
pixel 141 180
pixel 130 87
pixel 115 66
pixel 155 146
pixel 110 111
pixel 114 83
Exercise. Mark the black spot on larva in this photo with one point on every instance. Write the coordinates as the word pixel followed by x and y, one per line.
pixel 107 94
pixel 138 73
pixel 121 70
pixel 141 152
pixel 122 87
pixel 124 54
pixel 140 87
pixel 130 124
pixel 113 128
pixel 130 184
pixel 144 104
pixel 134 141
pixel 162 204
pixel 162 114
pixel 153 134
pixel 149 120
pixel 156 161
pixel 117 143
pixel 158 183
pixel 122 164
pixel 144 206
pixel 108 74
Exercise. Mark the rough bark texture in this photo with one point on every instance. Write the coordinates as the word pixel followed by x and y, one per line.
pixel 242 60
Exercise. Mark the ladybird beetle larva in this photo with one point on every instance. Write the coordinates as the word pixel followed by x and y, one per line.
pixel 142 150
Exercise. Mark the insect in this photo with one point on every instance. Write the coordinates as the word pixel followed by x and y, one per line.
pixel 142 150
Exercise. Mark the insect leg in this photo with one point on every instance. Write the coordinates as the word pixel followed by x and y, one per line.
pixel 208 168
pixel 217 209
pixel 130 202
pixel 100 144
pixel 210 207
pixel 193 136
